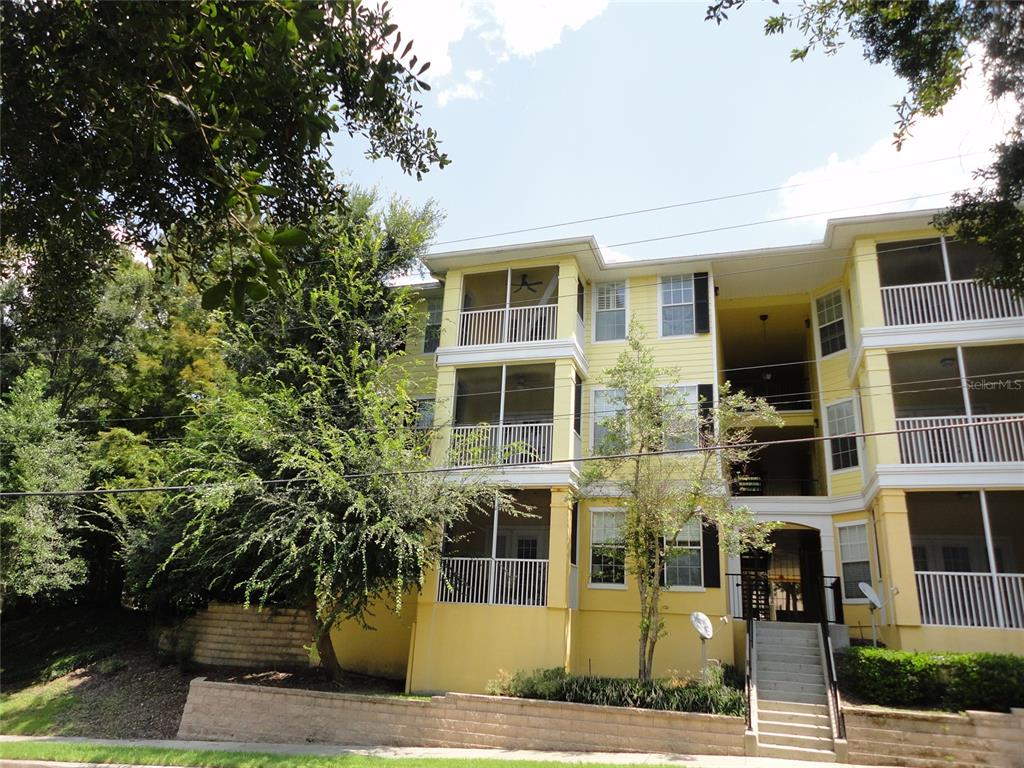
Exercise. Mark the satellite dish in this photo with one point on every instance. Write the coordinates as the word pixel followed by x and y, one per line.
pixel 702 624
pixel 870 594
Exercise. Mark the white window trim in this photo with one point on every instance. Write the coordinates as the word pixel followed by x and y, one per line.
pixel 593 310
pixel 590 554
pixel 844 304
pixel 828 434
pixel 593 417
pixel 839 556
pixel 433 400
pixel 687 587
pixel 661 334
pixel 440 326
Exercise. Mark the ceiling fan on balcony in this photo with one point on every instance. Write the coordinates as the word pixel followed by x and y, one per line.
pixel 525 283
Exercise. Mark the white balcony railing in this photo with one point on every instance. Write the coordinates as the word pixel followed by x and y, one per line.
pixel 947 303
pixel 508 325
pixel 501 444
pixel 971 599
pixel 946 439
pixel 493 581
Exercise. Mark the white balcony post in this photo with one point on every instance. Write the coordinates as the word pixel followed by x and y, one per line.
pixel 508 305
pixel 992 559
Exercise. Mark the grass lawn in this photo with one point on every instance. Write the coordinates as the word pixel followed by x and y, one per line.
pixel 37 750
pixel 33 711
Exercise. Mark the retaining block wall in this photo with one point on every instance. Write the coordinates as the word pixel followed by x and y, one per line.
pixel 934 739
pixel 233 636
pixel 230 711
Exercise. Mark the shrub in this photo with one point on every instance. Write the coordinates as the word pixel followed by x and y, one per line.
pixel 951 681
pixel 712 697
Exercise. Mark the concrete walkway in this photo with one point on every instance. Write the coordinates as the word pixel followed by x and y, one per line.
pixel 326 750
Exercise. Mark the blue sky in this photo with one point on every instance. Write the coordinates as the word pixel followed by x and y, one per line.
pixel 554 111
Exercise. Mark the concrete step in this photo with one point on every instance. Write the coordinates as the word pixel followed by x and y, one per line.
pixel 820 728
pixel 806 667
pixel 796 753
pixel 791 709
pixel 783 657
pixel 792 697
pixel 790 686
pixel 790 740
pixel 778 675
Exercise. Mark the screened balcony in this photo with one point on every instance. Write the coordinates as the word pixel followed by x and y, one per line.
pixel 499 559
pixel 952 404
pixel 503 415
pixel 934 281
pixel 968 550
pixel 510 306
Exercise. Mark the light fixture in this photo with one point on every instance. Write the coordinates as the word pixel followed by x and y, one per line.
pixel 948 362
pixel 764 326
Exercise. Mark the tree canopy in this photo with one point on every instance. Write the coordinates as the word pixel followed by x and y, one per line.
pixel 193 123
pixel 932 45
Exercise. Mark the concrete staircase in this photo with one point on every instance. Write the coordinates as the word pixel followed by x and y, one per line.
pixel 792 697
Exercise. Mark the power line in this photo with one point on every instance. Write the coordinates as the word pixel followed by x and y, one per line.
pixel 550 387
pixel 689 203
pixel 509 465
pixel 631 286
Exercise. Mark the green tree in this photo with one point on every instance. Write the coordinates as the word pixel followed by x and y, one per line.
pixel 191 122
pixel 932 45
pixel 38 534
pixel 311 486
pixel 662 494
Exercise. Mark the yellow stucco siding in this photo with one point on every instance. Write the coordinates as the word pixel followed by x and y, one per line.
pixel 380 649
pixel 462 647
pixel 957 639
pixel 608 644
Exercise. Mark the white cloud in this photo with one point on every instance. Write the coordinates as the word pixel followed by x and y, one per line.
pixel 965 132
pixel 512 29
pixel 458 91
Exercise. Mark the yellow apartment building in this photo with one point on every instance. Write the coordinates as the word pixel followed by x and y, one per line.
pixel 879 328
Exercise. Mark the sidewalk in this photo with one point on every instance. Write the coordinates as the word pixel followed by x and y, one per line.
pixel 327 750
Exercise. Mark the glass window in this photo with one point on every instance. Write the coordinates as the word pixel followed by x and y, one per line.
pixel 610 311
pixel 607 402
pixel 842 420
pixel 683 434
pixel 607 549
pixel 683 558
pixel 424 412
pixel 831 328
pixel 432 333
pixel 677 305
pixel 853 553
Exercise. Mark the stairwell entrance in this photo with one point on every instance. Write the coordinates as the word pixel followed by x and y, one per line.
pixel 788 584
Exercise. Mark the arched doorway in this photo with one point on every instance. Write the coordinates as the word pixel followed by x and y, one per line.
pixel 788 583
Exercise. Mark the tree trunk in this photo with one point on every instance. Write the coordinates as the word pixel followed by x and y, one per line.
pixel 324 647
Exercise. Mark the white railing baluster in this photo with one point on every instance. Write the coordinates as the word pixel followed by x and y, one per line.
pixel 490 444
pixel 508 325
pixel 943 302
pixel 495 581
pixel 971 599
pixel 947 439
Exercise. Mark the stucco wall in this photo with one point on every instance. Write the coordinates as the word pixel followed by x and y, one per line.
pixel 251 713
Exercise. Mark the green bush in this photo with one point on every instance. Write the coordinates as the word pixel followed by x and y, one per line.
pixel 712 697
pixel 951 681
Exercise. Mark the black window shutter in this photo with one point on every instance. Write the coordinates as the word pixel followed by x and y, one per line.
pixel 706 401
pixel 701 307
pixel 709 536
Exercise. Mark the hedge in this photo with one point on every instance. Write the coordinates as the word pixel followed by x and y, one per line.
pixel 713 697
pixel 950 681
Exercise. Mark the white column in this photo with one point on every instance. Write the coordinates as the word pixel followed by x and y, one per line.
pixel 996 590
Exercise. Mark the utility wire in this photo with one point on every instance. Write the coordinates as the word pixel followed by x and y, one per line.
pixel 631 286
pixel 773 399
pixel 477 467
pixel 701 201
